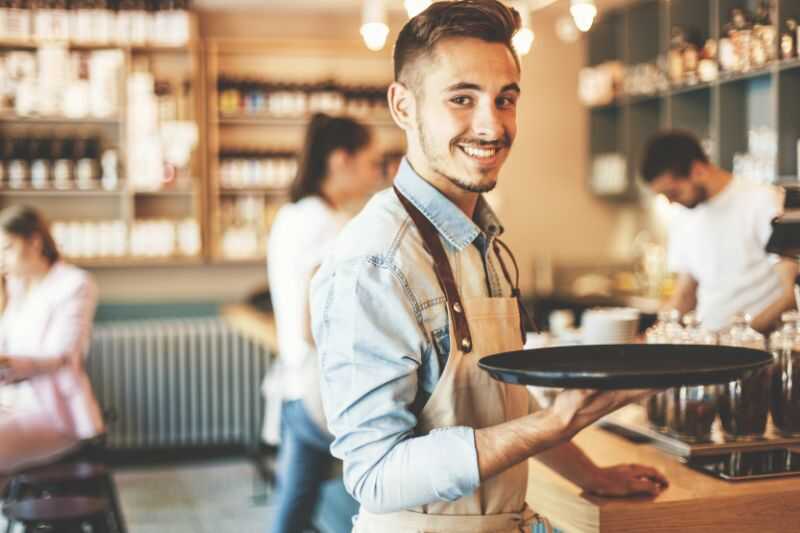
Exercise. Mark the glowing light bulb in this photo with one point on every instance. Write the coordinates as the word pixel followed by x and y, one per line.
pixel 374 29
pixel 374 35
pixel 583 13
pixel 524 37
pixel 523 40
pixel 415 7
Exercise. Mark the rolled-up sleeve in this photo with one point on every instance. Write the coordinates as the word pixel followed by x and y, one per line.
pixel 371 343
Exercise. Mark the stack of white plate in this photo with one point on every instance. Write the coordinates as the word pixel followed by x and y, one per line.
pixel 610 325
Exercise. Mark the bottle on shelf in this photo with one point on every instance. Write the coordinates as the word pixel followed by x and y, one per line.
pixel 41 163
pixel 15 20
pixel 50 20
pixel 19 163
pixel 110 170
pixel 87 163
pixel 675 63
pixel 140 21
pixel 81 21
pixel 64 167
pixel 789 39
pixel 766 34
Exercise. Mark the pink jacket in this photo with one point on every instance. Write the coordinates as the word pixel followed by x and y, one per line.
pixel 55 319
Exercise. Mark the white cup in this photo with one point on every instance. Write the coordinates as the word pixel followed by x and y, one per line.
pixel 610 325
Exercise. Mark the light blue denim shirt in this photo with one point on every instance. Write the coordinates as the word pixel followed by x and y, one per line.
pixel 380 323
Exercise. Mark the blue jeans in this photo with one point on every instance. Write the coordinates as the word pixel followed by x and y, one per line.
pixel 304 462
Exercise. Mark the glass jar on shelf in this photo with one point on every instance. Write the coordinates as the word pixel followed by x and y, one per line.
pixel 656 405
pixel 691 410
pixel 785 386
pixel 744 403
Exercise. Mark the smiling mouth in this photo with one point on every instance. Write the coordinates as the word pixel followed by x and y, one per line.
pixel 483 154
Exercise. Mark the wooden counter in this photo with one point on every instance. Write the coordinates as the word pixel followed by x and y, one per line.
pixel 693 502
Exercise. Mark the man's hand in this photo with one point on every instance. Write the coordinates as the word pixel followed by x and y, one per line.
pixel 578 408
pixel 626 480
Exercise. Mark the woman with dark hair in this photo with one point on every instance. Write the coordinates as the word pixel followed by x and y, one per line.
pixel 340 165
pixel 47 407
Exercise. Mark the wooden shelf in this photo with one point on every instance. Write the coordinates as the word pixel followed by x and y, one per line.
pixel 76 193
pixel 133 262
pixel 9 117
pixel 240 261
pixel 35 43
pixel 299 122
pixel 177 193
pixel 264 191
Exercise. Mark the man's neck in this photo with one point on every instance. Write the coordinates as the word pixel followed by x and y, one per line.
pixel 464 200
pixel 719 180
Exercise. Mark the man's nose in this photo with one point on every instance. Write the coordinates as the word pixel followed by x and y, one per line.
pixel 487 122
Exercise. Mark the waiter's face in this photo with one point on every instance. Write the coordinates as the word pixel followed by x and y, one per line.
pixel 465 111
pixel 685 191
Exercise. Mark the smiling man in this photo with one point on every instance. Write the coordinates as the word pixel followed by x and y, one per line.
pixel 419 288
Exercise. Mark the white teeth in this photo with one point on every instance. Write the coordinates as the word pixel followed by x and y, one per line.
pixel 479 152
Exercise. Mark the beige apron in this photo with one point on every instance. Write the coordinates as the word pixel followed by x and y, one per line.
pixel 465 395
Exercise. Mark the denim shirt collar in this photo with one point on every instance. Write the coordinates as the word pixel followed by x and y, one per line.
pixel 446 217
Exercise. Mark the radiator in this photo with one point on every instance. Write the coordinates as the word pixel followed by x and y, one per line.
pixel 178 383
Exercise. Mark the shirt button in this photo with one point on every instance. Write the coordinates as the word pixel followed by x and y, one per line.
pixel 457 307
pixel 466 345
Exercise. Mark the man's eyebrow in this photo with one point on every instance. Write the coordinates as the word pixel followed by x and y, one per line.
pixel 467 86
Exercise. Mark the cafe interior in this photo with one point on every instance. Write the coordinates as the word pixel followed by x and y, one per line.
pixel 159 141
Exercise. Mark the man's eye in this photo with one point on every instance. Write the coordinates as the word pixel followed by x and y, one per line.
pixel 506 101
pixel 461 100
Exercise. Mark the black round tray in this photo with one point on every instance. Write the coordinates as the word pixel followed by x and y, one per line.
pixel 625 366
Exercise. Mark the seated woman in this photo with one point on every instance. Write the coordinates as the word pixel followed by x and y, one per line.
pixel 47 407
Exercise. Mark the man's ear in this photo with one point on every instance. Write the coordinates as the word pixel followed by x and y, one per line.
pixel 401 105
pixel 698 172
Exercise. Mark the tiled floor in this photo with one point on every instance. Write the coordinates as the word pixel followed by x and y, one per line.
pixel 213 497
pixel 221 496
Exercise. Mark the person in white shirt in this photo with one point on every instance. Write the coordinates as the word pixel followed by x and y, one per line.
pixel 717 243
pixel 340 165
pixel 47 407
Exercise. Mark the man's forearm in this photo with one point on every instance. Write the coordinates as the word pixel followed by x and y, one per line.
pixel 502 446
pixel 770 316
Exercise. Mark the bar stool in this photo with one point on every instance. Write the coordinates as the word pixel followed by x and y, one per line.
pixel 60 515
pixel 69 479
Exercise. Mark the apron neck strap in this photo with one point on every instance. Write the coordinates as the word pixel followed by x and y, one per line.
pixel 444 273
pixel 526 322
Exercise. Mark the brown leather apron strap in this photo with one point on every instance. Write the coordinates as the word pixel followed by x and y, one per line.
pixel 444 273
pixel 526 322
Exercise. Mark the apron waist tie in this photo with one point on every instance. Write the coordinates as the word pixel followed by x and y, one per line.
pixel 437 523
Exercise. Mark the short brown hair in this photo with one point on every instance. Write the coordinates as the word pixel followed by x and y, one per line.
pixel 487 20
pixel 671 151
pixel 27 222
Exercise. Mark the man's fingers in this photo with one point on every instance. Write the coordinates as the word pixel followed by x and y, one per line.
pixel 648 472
pixel 642 485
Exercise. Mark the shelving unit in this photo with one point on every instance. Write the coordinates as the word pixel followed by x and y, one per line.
pixel 283 61
pixel 722 110
pixel 176 64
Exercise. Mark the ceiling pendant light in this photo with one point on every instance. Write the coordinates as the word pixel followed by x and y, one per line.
pixel 583 13
pixel 415 7
pixel 374 29
pixel 523 39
